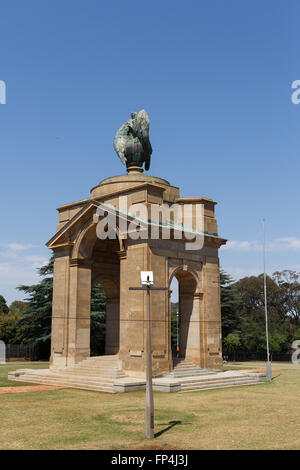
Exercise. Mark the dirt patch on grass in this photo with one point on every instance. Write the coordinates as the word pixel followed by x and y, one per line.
pixel 157 447
pixel 28 388
pixel 263 370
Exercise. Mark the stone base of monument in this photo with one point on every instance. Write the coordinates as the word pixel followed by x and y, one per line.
pixel 207 382
pixel 102 373
pixel 105 374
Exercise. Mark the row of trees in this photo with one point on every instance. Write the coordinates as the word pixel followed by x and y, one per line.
pixel 30 321
pixel 242 304
pixel 243 312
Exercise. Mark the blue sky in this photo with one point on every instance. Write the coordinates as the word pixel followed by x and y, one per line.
pixel 215 78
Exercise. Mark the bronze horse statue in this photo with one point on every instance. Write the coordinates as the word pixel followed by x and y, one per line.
pixel 132 143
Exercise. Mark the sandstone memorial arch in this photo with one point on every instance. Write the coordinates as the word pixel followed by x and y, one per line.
pixel 132 223
pixel 82 258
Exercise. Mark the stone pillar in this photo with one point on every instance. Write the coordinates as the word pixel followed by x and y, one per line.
pixel 132 305
pixel 212 314
pixel 193 345
pixel 60 310
pixel 160 314
pixel 79 311
pixel 133 325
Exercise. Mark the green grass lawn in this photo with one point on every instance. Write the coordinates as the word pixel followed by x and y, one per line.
pixel 11 366
pixel 264 416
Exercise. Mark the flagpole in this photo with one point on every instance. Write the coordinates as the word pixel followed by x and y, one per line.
pixel 269 373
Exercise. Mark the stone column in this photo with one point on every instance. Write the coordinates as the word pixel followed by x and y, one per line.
pixel 193 346
pixel 79 311
pixel 133 309
pixel 212 314
pixel 60 310
pixel 132 306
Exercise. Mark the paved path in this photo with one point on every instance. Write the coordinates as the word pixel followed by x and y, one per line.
pixel 28 388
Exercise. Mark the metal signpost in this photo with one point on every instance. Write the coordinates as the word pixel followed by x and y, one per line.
pixel 269 373
pixel 147 285
pixel 177 345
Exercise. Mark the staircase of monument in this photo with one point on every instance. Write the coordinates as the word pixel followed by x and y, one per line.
pixel 105 374
pixel 185 368
pixel 187 376
pixel 95 373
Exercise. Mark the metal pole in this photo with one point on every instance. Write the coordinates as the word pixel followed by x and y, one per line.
pixel 177 345
pixel 269 373
pixel 149 414
pixel 149 417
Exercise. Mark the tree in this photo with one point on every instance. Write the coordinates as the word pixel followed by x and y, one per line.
pixel 98 316
pixel 17 307
pixel 230 302
pixel 251 293
pixel 34 323
pixel 252 311
pixel 277 342
pixel 174 310
pixel 232 342
pixel 289 284
pixel 3 306
pixel 297 336
pixel 9 329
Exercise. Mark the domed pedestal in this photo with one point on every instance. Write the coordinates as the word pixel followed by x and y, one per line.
pixel 123 182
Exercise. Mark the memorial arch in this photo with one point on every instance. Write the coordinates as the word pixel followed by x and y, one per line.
pixel 153 231
pixel 81 259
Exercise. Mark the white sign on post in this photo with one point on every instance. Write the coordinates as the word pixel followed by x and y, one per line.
pixel 146 278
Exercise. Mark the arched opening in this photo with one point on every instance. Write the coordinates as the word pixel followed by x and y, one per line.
pixel 98 320
pixel 105 301
pixel 185 325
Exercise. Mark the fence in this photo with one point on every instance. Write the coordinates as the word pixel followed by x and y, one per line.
pixel 255 356
pixel 19 352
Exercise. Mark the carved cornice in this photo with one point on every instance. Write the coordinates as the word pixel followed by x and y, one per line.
pixel 122 254
pixel 198 295
pixel 81 263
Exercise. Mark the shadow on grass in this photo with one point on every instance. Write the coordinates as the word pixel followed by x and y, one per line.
pixel 171 425
pixel 276 376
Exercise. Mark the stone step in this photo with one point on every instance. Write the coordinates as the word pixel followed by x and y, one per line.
pixel 88 373
pixel 218 377
pixel 190 372
pixel 219 384
pixel 100 363
pixel 184 364
pixel 102 358
pixel 186 367
pixel 108 386
pixel 94 373
pixel 97 365
pixel 70 383
pixel 95 368
pixel 71 379
pixel 58 375
pixel 194 381
pixel 82 386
